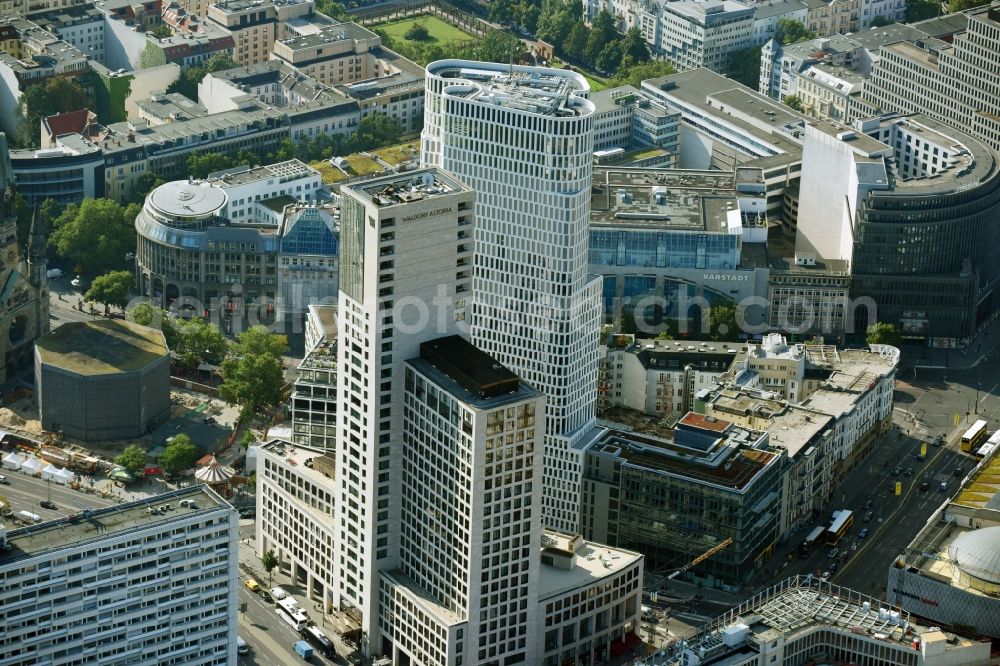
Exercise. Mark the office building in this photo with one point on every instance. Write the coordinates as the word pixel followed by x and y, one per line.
pixel 330 52
pixel 117 586
pixel 949 573
pixel 308 257
pixel 536 308
pixel 66 172
pixel 953 82
pixel 410 281
pixel 295 515
pixel 801 621
pixel 710 484
pixel 859 184
pixel 464 588
pixel 102 380
pixel 729 127
pixel 590 596
pixel 669 244
pixel 691 34
pixel 629 118
pixel 217 242
pixel 314 398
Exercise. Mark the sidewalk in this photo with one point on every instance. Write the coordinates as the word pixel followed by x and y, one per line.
pixel 983 346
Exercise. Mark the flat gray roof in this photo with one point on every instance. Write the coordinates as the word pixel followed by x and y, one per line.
pixel 86 526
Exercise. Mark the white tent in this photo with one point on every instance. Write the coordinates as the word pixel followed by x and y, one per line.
pixel 57 474
pixel 64 476
pixel 13 460
pixel 32 465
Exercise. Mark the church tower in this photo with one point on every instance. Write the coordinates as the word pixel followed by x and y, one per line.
pixel 24 289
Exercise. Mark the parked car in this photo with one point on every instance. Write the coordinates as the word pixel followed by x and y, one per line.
pixel 897 471
pixel 868 516
pixel 921 457
pixel 278 593
pixel 826 575
pixel 265 595
pixel 48 504
pixel 925 486
pixel 938 441
pixel 834 567
pixel 241 646
pixel 833 553
pixel 252 585
pixel 54 273
pixel 908 471
pixel 944 486
pixel 3 480
pixel 76 282
pixel 867 505
pixel 863 533
pixel 957 472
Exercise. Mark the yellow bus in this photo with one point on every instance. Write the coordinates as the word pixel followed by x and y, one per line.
pixel 974 436
pixel 842 521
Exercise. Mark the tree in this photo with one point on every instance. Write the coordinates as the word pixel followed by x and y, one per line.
pixel 197 342
pixel 880 21
pixel 664 335
pixel 111 289
pixel 919 10
pixel 794 102
pixel 376 131
pixel 247 439
pixel 790 31
pixel 96 235
pixel 418 33
pixel 502 11
pixel 47 212
pixel 188 82
pixel 161 31
pixel 179 455
pixel 722 321
pixel 143 185
pixel 554 24
pixel 528 14
pixel 610 58
pixel 961 5
pixel 147 314
pixel 253 373
pixel 498 46
pixel 575 45
pixel 199 165
pixel 636 74
pixel 635 47
pixel 133 459
pixel 57 95
pixel 744 66
pixel 269 561
pixel 883 333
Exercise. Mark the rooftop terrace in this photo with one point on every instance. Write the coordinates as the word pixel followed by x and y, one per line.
pixel 535 90
pixel 407 187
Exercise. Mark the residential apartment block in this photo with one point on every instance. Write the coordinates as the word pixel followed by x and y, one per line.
pixel 148 582
pixel 254 25
pixel 692 34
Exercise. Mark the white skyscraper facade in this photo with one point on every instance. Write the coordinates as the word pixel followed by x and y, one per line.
pixel 522 138
pixel 465 591
pixel 407 272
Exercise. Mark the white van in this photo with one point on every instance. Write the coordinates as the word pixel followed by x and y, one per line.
pixel 278 593
pixel 28 517
pixel 241 646
pixel 54 273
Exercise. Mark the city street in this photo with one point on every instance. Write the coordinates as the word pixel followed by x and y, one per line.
pixel 26 493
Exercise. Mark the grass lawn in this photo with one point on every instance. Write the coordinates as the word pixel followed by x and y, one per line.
pixel 359 165
pixel 329 173
pixel 396 155
pixel 441 33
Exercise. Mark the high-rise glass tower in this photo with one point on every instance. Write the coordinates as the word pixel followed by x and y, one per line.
pixel 522 138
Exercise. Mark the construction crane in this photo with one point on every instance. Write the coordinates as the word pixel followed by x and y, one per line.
pixel 701 558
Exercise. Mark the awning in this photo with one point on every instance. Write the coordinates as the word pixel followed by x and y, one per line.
pixel 120 474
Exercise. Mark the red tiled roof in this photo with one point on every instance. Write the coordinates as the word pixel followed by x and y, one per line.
pixel 696 420
pixel 68 123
